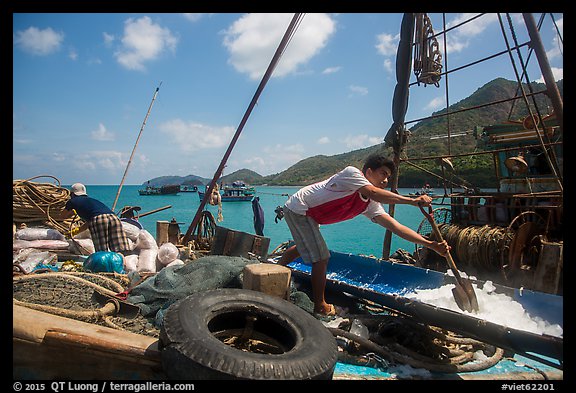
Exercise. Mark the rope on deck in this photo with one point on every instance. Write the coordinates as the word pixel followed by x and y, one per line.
pixel 398 340
pixel 39 202
pixel 70 295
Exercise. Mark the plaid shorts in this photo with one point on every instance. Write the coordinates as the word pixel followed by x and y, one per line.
pixel 307 236
pixel 107 233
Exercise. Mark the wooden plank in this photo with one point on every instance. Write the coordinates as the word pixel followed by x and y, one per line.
pixel 47 346
pixel 40 327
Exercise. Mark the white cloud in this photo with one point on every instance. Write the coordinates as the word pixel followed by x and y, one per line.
pixel 194 17
pixel 461 37
pixel 108 38
pixel 354 142
pixel 323 140
pixel 191 136
pixel 331 70
pixel 257 164
pixel 436 103
pixel 557 72
pixel 59 157
pixel 253 39
pixel 108 160
pixel 557 47
pixel 38 42
pixel 387 44
pixel 143 41
pixel 389 66
pixel 358 90
pixel 280 157
pixel 102 134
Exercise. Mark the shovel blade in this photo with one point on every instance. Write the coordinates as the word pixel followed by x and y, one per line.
pixel 126 310
pixel 461 298
pixel 465 296
pixel 467 285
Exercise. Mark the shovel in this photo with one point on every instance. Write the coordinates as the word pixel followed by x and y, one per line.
pixel 463 291
pixel 114 305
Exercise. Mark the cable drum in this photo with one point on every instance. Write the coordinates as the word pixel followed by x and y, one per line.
pixel 478 246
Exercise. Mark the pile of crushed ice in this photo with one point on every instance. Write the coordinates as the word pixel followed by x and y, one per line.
pixel 493 307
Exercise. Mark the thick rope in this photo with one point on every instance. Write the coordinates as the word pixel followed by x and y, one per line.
pixel 395 353
pixel 88 316
pixel 74 277
pixel 110 308
pixel 40 202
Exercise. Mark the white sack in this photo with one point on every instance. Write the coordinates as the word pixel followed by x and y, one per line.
pixel 39 234
pixel 43 244
pixel 131 263
pixel 176 262
pixel 145 241
pixel 167 253
pixel 82 246
pixel 147 261
pixel 131 231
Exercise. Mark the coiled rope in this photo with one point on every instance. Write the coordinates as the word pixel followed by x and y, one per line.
pixel 427 56
pixel 40 203
pixel 480 246
pixel 399 340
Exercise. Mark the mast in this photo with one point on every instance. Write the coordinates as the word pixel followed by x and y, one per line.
pixel 396 135
pixel 135 144
pixel 296 19
pixel 551 86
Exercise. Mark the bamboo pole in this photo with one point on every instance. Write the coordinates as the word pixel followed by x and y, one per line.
pixel 136 144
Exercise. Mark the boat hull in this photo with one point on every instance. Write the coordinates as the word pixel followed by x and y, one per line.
pixel 47 346
pixel 164 190
pixel 226 198
pixel 388 283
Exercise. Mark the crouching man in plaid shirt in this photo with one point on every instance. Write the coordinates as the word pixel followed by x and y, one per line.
pixel 105 226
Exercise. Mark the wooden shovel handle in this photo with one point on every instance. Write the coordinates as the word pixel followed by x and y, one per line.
pixel 448 256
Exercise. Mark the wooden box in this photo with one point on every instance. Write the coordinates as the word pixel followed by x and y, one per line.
pixel 239 244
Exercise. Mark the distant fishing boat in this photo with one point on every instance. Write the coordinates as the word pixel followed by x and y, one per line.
pixel 162 190
pixel 238 191
pixel 425 190
pixel 188 188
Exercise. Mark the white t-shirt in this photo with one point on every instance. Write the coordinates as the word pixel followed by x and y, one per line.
pixel 335 199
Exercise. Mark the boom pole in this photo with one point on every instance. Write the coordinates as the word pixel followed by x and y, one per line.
pixel 279 51
pixel 136 144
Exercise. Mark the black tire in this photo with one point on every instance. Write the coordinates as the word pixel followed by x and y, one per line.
pixel 296 345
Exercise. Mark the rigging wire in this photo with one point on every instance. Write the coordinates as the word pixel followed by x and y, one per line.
pixel 292 27
pixel 551 162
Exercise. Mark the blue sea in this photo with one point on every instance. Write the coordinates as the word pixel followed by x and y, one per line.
pixel 356 236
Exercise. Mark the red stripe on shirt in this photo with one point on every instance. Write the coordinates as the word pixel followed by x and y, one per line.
pixel 339 209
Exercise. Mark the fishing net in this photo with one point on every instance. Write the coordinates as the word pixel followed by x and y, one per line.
pixel 157 293
pixel 176 282
pixel 71 295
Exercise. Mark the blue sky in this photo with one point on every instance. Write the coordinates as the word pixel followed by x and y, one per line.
pixel 83 83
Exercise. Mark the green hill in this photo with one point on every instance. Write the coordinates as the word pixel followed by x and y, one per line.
pixel 427 138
